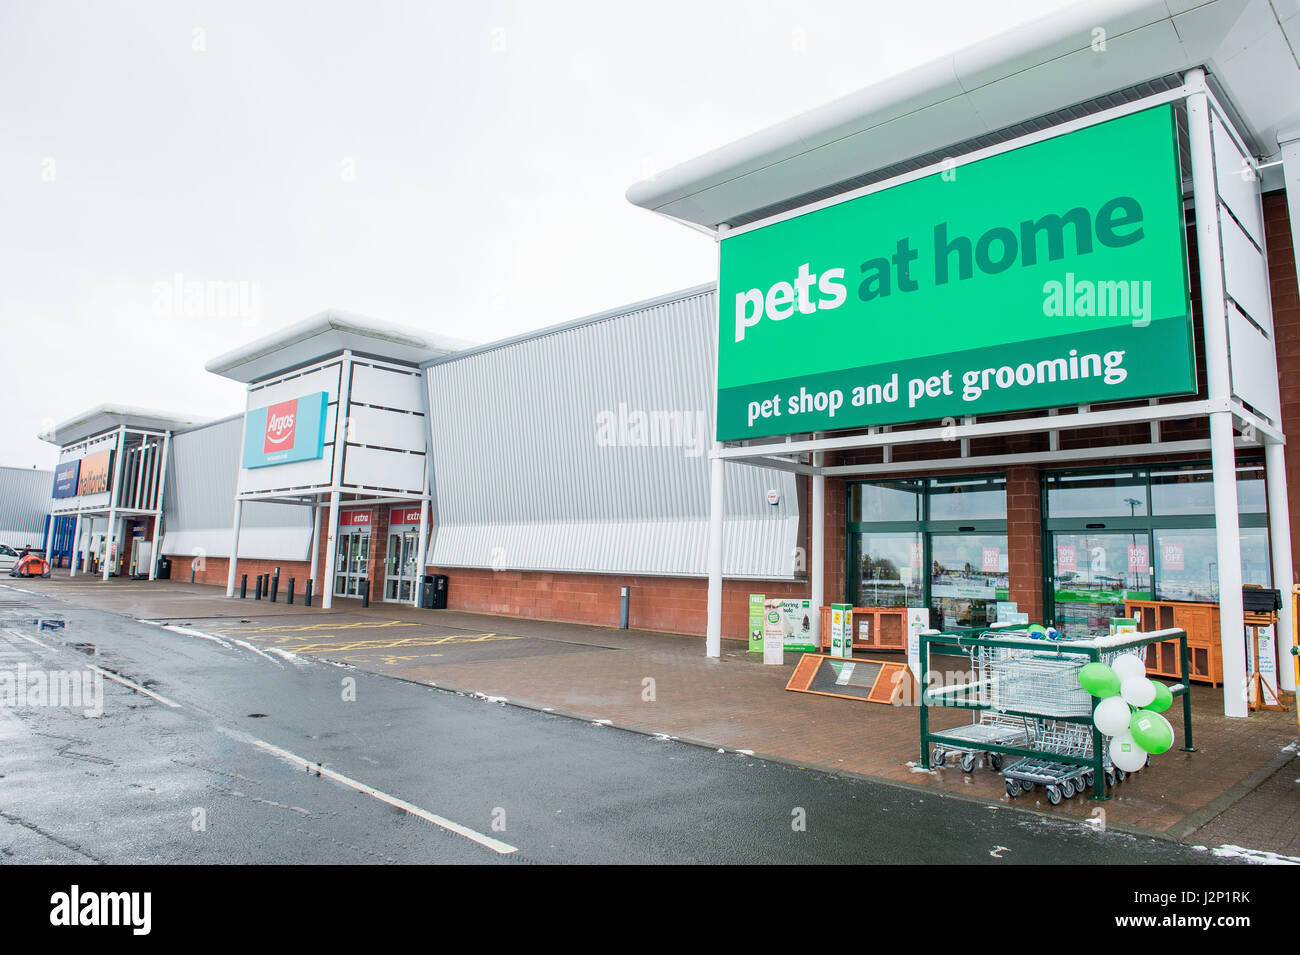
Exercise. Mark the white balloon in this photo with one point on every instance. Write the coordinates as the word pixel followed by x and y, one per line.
pixel 1112 715
pixel 1127 666
pixel 1139 691
pixel 1126 754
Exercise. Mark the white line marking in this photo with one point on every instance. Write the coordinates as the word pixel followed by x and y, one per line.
pixel 198 633
pixel 495 845
pixel 23 636
pixel 134 686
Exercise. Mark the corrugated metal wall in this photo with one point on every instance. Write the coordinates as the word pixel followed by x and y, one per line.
pixel 545 456
pixel 24 504
pixel 199 503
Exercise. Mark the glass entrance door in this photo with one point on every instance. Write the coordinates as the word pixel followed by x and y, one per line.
pixel 1093 574
pixel 400 566
pixel 968 576
pixel 352 565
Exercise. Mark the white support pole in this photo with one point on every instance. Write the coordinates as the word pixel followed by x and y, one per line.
pixel 113 497
pixel 420 553
pixel 1279 536
pixel 342 410
pixel 75 550
pixel 331 552
pixel 818 536
pixel 49 540
pixel 1223 461
pixel 139 458
pixel 156 487
pixel 90 539
pixel 713 631
pixel 232 569
pixel 315 543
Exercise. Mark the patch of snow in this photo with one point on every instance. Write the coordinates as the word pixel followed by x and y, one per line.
pixel 200 634
pixel 1254 856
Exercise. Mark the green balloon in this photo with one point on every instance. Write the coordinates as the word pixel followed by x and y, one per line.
pixel 1164 699
pixel 1099 680
pixel 1151 731
pixel 1037 628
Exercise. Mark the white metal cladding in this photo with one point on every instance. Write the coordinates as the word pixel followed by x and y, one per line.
pixel 24 502
pixel 585 448
pixel 199 501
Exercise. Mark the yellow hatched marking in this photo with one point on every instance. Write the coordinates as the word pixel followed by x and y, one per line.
pixel 401 643
pixel 300 628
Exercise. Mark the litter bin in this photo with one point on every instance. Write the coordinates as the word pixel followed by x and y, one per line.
pixel 164 568
pixel 433 593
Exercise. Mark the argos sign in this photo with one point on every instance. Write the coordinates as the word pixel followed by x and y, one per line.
pixel 291 430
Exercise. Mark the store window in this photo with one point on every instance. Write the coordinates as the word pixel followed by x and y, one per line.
pixel 1142 534
pixel 936 542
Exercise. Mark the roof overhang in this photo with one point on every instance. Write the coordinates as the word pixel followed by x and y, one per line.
pixel 1246 46
pixel 325 335
pixel 104 418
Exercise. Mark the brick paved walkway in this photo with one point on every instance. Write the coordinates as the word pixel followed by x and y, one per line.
pixel 1239 788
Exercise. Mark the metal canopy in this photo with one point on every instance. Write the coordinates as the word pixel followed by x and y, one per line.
pixel 327 334
pixel 984 93
pixel 105 418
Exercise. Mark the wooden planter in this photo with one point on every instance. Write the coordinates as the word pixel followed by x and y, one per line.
pixel 1201 621
pixel 887 628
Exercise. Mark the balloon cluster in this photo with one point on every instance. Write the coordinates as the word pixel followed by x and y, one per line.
pixel 1129 711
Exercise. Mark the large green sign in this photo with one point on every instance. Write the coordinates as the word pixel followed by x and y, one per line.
pixel 1054 274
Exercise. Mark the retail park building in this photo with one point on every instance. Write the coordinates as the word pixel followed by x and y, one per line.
pixel 1017 325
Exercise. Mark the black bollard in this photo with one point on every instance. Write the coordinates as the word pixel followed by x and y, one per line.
pixel 257 594
pixel 290 591
pixel 306 595
pixel 275 584
pixel 365 593
pixel 243 586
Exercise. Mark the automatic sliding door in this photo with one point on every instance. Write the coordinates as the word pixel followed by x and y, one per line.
pixel 968 575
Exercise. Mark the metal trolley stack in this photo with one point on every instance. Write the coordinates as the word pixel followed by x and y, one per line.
pixel 1027 702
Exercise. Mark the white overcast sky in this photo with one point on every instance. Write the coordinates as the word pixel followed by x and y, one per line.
pixel 457 167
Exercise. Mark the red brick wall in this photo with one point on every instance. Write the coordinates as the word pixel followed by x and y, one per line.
pixel 672 604
pixel 1025 540
pixel 1286 327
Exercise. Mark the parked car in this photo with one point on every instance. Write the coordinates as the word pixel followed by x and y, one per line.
pixel 8 557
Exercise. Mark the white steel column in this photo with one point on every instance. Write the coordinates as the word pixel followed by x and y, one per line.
pixel 232 569
pixel 75 550
pixel 420 553
pixel 818 536
pixel 90 537
pixel 1222 452
pixel 331 553
pixel 1279 536
pixel 342 411
pixel 713 631
pixel 158 483
pixel 113 498
pixel 49 541
pixel 315 542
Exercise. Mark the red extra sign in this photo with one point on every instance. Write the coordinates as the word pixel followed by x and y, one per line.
pixel 354 519
pixel 404 515
pixel 281 420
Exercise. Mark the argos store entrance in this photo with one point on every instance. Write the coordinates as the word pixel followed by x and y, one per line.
pixel 352 561
pixel 402 563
